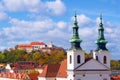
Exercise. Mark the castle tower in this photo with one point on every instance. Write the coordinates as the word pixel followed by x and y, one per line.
pixel 101 53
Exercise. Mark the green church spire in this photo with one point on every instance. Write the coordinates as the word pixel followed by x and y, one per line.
pixel 75 40
pixel 101 42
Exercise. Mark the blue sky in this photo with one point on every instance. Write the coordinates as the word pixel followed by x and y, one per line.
pixel 23 21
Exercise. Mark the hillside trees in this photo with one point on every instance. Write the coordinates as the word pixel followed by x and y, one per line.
pixel 2 57
pixel 115 64
pixel 15 55
pixel 53 57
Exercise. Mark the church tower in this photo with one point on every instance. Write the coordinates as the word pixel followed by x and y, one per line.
pixel 101 54
pixel 75 56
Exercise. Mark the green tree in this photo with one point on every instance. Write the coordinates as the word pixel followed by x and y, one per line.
pixel 36 56
pixel 26 57
pixel 2 57
pixel 115 65
pixel 33 72
pixel 87 56
pixel 54 57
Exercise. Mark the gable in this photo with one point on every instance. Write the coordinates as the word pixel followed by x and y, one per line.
pixel 92 64
pixel 62 70
pixel 50 70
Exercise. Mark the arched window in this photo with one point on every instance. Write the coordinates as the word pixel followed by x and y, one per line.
pixel 97 58
pixel 70 59
pixel 104 59
pixel 78 59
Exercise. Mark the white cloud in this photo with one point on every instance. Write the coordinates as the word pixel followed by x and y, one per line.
pixel 27 29
pixel 23 5
pixel 3 16
pixel 56 7
pixel 13 5
pixel 56 33
pixel 33 25
pixel 1 7
pixel 62 24
pixel 87 32
pixel 109 30
pixel 82 20
pixel 3 47
pixel 22 30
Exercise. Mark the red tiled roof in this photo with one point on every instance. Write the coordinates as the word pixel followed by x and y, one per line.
pixel 115 77
pixel 24 45
pixel 41 66
pixel 13 75
pixel 30 45
pixel 37 43
pixel 63 68
pixel 15 68
pixel 55 70
pixel 23 65
pixel 50 70
pixel 33 76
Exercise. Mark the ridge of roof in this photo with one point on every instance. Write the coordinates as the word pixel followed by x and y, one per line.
pixel 83 63
pixel 88 61
pixel 37 43
pixel 25 45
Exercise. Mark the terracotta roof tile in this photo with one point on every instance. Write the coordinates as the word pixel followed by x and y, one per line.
pixel 23 65
pixel 33 76
pixel 37 43
pixel 115 77
pixel 63 68
pixel 24 45
pixel 15 68
pixel 55 70
pixel 50 70
pixel 13 75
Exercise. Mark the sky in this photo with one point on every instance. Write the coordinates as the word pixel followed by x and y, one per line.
pixel 24 21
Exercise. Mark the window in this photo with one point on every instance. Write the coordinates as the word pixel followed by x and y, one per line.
pixel 105 79
pixel 78 59
pixel 70 59
pixel 104 60
pixel 83 75
pixel 97 58
pixel 74 75
pixel 100 75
